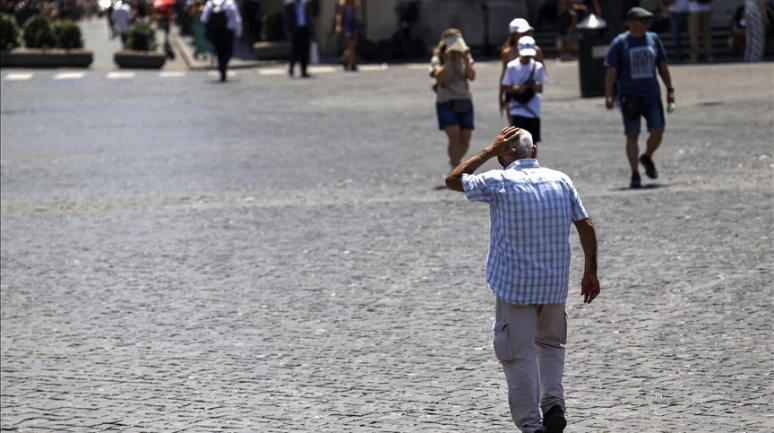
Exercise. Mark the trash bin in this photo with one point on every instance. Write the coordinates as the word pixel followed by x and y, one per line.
pixel 593 41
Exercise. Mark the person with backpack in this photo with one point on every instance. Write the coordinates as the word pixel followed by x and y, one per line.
pixel 222 22
pixel 633 59
pixel 522 85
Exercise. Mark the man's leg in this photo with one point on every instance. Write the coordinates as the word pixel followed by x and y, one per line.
pixel 304 49
pixel 515 347
pixel 550 339
pixel 632 132
pixel 653 111
pixel 228 51
pixel 654 141
pixel 294 52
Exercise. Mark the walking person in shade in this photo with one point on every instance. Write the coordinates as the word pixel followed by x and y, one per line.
pixel 223 22
pixel 348 24
pixel 298 23
pixel 633 61
pixel 532 210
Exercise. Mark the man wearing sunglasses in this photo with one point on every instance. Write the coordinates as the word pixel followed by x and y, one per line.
pixel 632 61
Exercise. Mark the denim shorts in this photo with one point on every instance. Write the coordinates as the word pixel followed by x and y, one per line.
pixel 652 111
pixel 447 116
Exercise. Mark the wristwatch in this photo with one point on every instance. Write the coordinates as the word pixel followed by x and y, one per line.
pixel 670 89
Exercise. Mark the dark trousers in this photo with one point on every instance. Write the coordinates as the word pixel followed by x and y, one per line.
pixel 223 42
pixel 300 49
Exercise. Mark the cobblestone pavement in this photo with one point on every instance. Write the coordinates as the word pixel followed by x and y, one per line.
pixel 275 255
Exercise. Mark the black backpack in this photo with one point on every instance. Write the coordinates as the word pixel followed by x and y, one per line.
pixel 218 18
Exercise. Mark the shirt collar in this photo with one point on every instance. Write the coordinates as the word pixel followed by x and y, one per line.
pixel 523 163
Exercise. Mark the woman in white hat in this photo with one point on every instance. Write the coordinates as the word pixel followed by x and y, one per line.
pixel 517 28
pixel 452 67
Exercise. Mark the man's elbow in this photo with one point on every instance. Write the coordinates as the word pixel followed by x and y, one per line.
pixel 585 226
pixel 454 183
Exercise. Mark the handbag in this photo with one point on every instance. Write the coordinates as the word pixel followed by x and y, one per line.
pixel 524 97
pixel 631 107
pixel 461 105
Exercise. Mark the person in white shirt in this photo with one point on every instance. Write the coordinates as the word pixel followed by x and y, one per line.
pixel 678 18
pixel 522 84
pixel 223 22
pixel 700 22
pixel 122 19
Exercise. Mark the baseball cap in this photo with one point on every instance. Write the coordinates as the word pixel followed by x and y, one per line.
pixel 638 13
pixel 456 43
pixel 527 46
pixel 519 25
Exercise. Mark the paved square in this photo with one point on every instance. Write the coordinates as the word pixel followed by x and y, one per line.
pixel 274 255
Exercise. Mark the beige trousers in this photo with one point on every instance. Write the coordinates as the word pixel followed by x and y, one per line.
pixel 700 22
pixel 529 342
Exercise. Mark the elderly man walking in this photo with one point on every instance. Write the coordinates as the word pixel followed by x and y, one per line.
pixel 531 211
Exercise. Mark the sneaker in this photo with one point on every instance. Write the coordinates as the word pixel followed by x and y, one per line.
pixel 650 167
pixel 636 182
pixel 554 421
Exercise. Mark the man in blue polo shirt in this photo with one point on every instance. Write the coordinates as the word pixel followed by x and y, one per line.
pixel 632 61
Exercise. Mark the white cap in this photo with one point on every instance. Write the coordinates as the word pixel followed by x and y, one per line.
pixel 527 46
pixel 519 25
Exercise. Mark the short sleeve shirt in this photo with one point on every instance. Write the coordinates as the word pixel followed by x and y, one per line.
pixel 517 74
pixel 637 60
pixel 531 211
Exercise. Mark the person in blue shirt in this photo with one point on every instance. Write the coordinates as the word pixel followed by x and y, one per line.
pixel 632 62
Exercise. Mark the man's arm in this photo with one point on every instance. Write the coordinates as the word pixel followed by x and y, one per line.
pixel 610 76
pixel 588 240
pixel 666 77
pixel 454 179
pixel 500 146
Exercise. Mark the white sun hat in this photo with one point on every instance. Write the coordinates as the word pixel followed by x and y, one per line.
pixel 519 25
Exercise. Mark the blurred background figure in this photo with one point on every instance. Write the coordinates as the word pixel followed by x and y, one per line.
pixel 222 23
pixel 348 24
pixel 298 22
pixel 452 67
pixel 679 11
pixel 565 26
pixel 122 19
pixel 700 22
pixel 738 32
pixel 252 14
pixel 109 17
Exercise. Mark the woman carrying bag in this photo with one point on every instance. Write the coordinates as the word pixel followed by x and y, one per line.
pixel 452 68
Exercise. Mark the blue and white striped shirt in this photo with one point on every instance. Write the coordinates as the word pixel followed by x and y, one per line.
pixel 531 211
